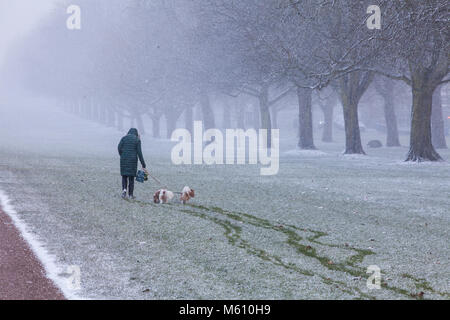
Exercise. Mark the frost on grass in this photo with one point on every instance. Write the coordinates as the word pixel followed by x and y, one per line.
pixel 309 232
pixel 304 153
pixel 313 237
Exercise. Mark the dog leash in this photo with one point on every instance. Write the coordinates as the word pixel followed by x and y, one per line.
pixel 159 182
pixel 155 179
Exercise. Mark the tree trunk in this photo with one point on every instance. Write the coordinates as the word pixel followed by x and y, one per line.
pixel 99 111
pixel 226 120
pixel 73 107
pixel 274 118
pixel 256 116
pixel 102 115
pixel 140 124
pixel 207 112
pixel 392 139
pixel 352 134
pixel 421 147
pixel 119 121
pixel 189 119
pixel 111 118
pixel 265 115
pixel 171 123
pixel 85 109
pixel 81 111
pixel 306 140
pixel 156 127
pixel 327 134
pixel 239 118
pixel 385 88
pixel 352 87
pixel 437 121
pixel 105 115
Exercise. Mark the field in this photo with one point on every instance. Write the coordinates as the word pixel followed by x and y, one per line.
pixel 309 232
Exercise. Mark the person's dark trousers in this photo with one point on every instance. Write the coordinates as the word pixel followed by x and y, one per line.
pixel 128 183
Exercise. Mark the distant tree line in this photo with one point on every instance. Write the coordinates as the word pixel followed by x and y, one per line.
pixel 159 59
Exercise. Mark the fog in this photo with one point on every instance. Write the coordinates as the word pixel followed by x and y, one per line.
pixel 18 18
pixel 160 65
pixel 314 133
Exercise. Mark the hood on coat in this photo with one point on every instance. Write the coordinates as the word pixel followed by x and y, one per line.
pixel 133 131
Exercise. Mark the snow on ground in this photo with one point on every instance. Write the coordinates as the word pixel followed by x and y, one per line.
pixel 309 232
pixel 47 260
pixel 304 153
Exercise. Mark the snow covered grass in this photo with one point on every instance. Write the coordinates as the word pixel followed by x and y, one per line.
pixel 304 153
pixel 309 232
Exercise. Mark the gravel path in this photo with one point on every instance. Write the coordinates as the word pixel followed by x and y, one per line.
pixel 22 276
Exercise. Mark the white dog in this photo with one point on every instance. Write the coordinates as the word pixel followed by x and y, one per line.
pixel 162 196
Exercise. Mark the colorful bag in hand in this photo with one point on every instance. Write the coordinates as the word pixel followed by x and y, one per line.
pixel 141 176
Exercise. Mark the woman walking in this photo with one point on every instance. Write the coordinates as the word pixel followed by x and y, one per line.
pixel 129 151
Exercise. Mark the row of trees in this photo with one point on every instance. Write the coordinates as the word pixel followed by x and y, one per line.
pixel 161 58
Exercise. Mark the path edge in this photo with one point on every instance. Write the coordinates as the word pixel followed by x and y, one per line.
pixel 47 260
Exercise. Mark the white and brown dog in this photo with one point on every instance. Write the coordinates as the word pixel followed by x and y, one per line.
pixel 162 196
pixel 187 194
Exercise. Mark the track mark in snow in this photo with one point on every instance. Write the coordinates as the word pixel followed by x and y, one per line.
pixel 309 248
pixel 293 240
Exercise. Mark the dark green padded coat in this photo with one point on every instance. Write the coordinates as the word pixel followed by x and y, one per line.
pixel 129 151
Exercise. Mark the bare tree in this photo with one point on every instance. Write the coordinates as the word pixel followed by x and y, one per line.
pixel 417 48
pixel 385 88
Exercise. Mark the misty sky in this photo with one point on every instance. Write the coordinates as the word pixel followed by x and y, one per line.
pixel 17 17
